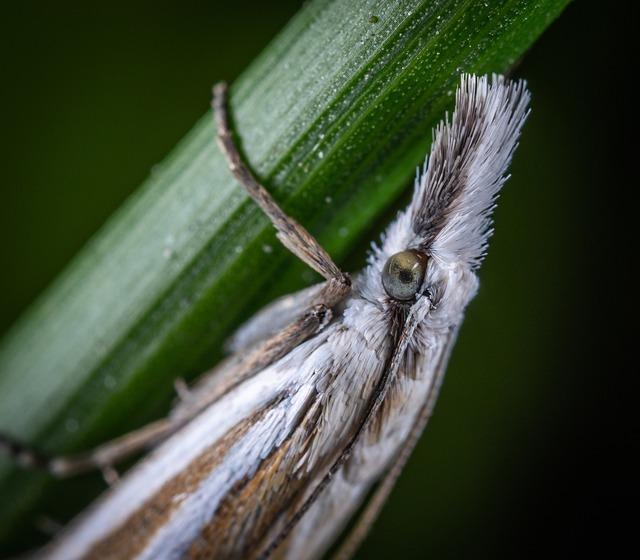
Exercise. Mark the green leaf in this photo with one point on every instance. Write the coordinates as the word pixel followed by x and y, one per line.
pixel 333 117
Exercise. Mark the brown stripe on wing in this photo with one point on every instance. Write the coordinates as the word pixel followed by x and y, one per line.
pixel 398 314
pixel 276 495
pixel 389 372
pixel 255 505
pixel 133 535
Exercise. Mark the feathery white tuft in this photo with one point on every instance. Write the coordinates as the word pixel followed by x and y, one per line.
pixel 455 195
pixel 449 217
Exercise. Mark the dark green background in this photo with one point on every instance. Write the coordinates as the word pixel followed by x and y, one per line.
pixel 523 456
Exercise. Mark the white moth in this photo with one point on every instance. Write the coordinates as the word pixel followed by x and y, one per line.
pixel 328 390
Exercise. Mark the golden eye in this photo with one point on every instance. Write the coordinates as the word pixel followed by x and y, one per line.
pixel 403 273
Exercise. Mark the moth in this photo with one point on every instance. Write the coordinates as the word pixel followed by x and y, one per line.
pixel 316 411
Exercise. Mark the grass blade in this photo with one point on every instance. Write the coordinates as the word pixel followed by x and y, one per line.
pixel 333 117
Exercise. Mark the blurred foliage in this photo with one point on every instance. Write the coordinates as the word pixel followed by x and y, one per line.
pixel 95 96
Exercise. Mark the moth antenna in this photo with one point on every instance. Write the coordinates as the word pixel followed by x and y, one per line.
pixel 290 233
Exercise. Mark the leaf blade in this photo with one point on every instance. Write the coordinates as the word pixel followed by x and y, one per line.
pixel 338 107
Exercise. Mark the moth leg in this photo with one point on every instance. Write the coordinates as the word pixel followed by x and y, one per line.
pixel 212 386
pixel 293 236
pixel 181 387
pixel 102 457
pixel 110 475
pixel 246 363
pixel 290 233
pixel 48 526
pixel 358 533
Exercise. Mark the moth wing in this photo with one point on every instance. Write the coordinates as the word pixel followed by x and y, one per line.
pixel 180 485
pixel 370 475
pixel 281 325
pixel 272 318
pixel 272 455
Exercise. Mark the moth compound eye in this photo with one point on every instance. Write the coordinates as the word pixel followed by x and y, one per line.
pixel 403 274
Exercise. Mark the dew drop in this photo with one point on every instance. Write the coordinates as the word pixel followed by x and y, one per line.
pixel 109 382
pixel 71 425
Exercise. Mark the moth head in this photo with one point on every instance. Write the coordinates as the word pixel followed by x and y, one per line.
pixel 441 238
